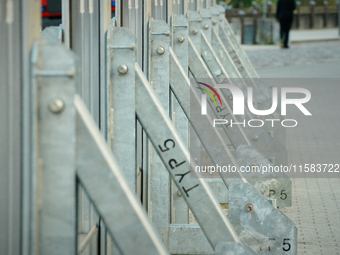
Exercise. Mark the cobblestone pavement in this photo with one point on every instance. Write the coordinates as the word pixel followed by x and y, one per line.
pixel 300 54
pixel 316 201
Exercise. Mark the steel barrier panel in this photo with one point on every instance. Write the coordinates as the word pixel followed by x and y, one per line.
pixel 212 140
pixel 251 213
pixel 105 184
pixel 54 76
pixel 176 158
pixel 263 141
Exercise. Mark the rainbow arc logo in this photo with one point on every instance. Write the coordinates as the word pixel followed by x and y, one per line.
pixel 209 93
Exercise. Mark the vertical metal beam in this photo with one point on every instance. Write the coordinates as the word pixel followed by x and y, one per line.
pixel 159 181
pixel 54 71
pixel 65 22
pixel 206 23
pixel 121 55
pixel 89 23
pixel 179 43
pixel 30 27
pixel 11 145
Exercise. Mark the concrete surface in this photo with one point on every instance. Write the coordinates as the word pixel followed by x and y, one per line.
pixel 316 201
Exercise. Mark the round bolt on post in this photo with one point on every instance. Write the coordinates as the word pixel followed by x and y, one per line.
pixel 214 22
pixel 206 27
pixel 160 50
pixel 253 164
pixel 180 39
pixel 194 32
pixel 56 106
pixel 255 137
pixel 179 193
pixel 122 69
pixel 249 207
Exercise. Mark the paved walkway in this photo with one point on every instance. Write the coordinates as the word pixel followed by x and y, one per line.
pixel 316 201
pixel 298 36
pixel 299 55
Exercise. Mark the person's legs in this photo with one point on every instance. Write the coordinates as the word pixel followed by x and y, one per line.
pixel 282 26
pixel 287 23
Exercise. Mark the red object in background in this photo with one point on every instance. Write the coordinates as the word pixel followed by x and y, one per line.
pixel 45 11
pixel 113 6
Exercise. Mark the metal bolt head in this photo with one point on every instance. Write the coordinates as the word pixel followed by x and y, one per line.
pixel 194 32
pixel 122 69
pixel 253 164
pixel 206 27
pixel 214 22
pixel 180 39
pixel 221 19
pixel 160 50
pixel 249 207
pixel 56 106
pixel 179 193
pixel 255 137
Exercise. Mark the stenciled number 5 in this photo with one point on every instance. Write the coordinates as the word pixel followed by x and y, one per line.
pixel 165 145
pixel 286 246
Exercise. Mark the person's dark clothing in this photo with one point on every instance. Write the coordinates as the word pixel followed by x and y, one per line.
pixel 284 14
pixel 285 25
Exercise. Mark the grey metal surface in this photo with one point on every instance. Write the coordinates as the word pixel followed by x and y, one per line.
pixel 272 185
pixel 159 181
pixel 54 71
pixel 87 21
pixel 176 158
pixel 30 27
pixel 215 145
pixel 262 93
pixel 266 144
pixel 51 34
pixel 105 184
pixel 199 69
pixel 265 229
pixel 179 43
pixel 211 139
pixel 219 189
pixel 13 47
pixel 188 239
pixel 195 23
pixel 121 130
pixel 257 228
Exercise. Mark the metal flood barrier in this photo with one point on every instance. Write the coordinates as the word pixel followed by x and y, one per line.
pixel 98 126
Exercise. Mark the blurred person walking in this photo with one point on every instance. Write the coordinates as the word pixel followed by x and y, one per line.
pixel 284 14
